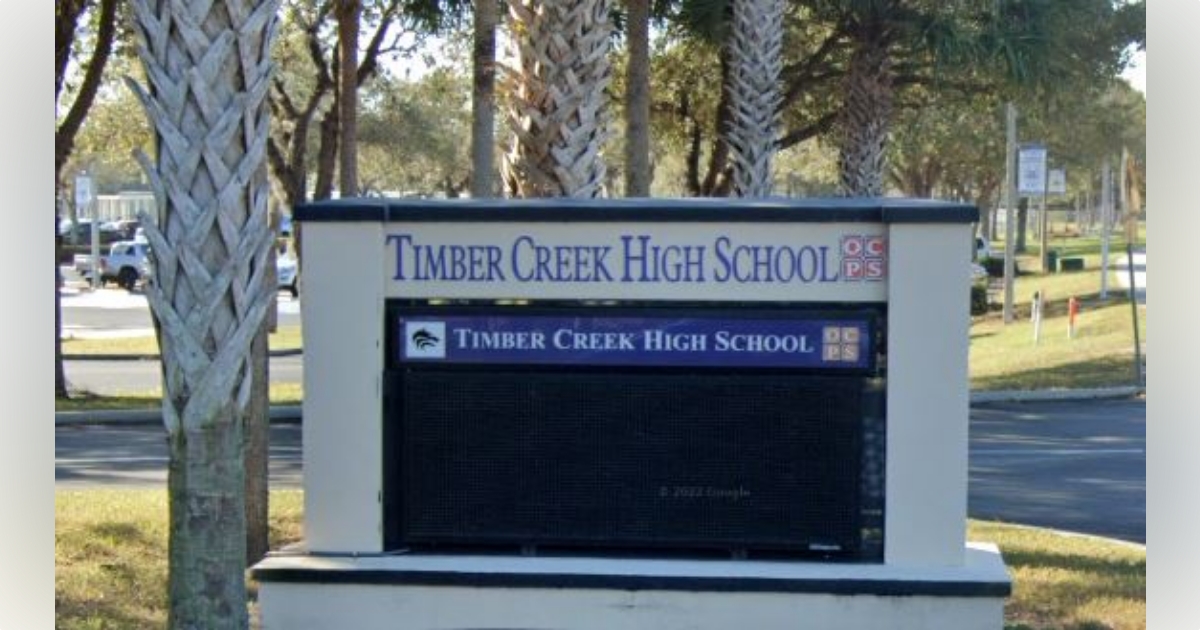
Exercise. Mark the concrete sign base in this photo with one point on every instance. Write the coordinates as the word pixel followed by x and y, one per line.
pixel 300 592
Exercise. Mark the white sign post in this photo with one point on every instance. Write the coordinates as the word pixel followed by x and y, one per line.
pixel 1057 182
pixel 83 191
pixel 1031 181
pixel 83 200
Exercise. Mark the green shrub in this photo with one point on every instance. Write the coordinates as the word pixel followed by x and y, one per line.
pixel 979 299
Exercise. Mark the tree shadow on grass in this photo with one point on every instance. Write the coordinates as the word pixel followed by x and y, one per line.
pixel 1074 562
pixel 1091 373
pixel 1068 600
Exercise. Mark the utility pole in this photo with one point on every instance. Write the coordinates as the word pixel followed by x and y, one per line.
pixel 1044 243
pixel 1105 219
pixel 1126 209
pixel 1010 187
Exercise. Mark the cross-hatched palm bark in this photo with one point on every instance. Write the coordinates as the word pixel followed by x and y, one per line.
pixel 558 101
pixel 755 60
pixel 208 66
pixel 868 92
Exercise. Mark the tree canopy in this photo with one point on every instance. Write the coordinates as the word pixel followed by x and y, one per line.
pixel 951 65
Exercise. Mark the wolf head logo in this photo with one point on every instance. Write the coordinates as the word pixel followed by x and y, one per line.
pixel 423 339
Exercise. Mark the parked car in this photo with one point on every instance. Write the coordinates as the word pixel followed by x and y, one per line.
pixel 124 264
pixel 128 228
pixel 287 272
pixel 81 233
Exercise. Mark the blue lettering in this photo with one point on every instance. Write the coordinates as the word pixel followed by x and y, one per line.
pixel 430 262
pixel 825 267
pixel 645 262
pixel 448 263
pixel 812 264
pixel 399 240
pixel 725 266
pixel 522 243
pixel 560 263
pixel 771 263
pixel 641 257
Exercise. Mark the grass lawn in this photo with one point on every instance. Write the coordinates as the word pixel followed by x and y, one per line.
pixel 284 338
pixel 1068 582
pixel 110 555
pixel 110 549
pixel 279 394
pixel 1100 355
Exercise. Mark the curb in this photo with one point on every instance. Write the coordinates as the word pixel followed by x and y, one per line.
pixel 287 352
pixel 279 414
pixel 1067 533
pixel 1054 395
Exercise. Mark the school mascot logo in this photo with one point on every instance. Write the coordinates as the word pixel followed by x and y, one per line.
pixel 425 340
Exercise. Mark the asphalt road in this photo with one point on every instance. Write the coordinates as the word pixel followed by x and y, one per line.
pixel 95 456
pixel 1077 466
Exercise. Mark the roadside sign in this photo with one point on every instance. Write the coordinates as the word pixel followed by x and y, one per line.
pixel 83 192
pixel 1057 183
pixel 1031 169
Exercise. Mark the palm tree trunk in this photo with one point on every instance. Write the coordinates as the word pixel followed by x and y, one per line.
pixel 209 65
pixel 207 516
pixel 638 174
pixel 558 100
pixel 866 114
pixel 755 58
pixel 483 98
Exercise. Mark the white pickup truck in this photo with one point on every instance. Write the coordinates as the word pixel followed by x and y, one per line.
pixel 124 264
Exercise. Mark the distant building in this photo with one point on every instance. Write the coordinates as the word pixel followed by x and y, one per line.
pixel 123 205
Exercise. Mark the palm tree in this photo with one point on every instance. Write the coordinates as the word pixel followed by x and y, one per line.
pixel 1013 45
pixel 558 105
pixel 868 93
pixel 755 60
pixel 209 68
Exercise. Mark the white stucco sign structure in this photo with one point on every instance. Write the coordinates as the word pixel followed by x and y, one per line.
pixel 685 413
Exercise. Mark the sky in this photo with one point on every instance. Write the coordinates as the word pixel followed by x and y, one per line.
pixel 1136 73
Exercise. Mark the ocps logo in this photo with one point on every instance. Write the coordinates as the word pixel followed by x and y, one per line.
pixel 864 258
